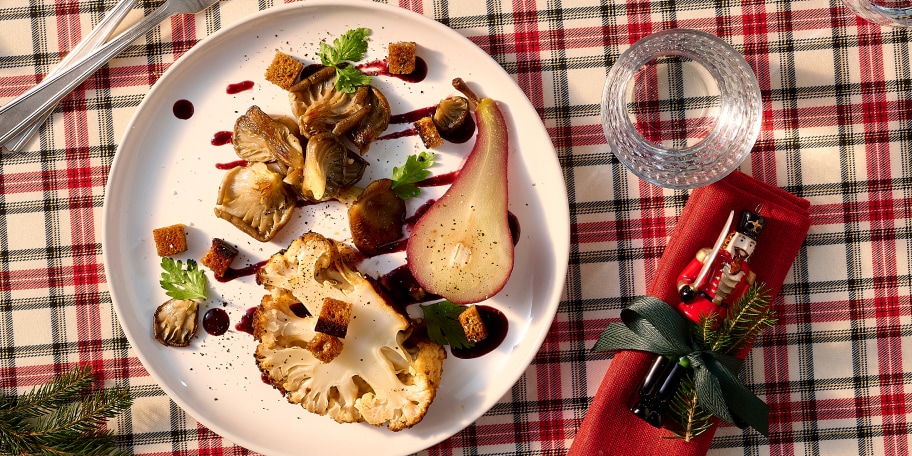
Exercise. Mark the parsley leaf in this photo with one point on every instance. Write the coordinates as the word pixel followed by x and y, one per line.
pixel 180 283
pixel 414 170
pixel 349 77
pixel 350 47
pixel 443 325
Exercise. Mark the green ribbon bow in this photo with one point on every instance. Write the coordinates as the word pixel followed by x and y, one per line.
pixel 651 325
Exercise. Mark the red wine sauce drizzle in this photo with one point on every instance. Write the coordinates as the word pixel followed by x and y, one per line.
pixel 231 165
pixel 239 87
pixel 438 180
pixel 457 136
pixel 232 273
pixel 220 138
pixel 398 134
pixel 246 323
pixel 413 116
pixel 381 68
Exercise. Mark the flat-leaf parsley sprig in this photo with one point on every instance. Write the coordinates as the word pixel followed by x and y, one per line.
pixel 413 171
pixel 443 327
pixel 180 283
pixel 348 48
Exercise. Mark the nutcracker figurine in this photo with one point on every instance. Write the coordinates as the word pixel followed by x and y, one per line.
pixel 715 279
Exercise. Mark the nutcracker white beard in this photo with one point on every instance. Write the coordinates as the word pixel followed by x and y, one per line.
pixel 727 281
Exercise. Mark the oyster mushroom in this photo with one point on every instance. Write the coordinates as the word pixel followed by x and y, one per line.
pixel 175 322
pixel 329 168
pixel 260 138
pixel 254 199
pixel 451 113
pixel 376 217
pixel 373 124
pixel 319 107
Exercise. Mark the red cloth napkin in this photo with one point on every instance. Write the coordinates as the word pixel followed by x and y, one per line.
pixel 609 427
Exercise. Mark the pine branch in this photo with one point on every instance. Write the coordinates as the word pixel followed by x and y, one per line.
pixel 71 419
pixel 707 331
pixel 691 420
pixel 749 317
pixel 46 398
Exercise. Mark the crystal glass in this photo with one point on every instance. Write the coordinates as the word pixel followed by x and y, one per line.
pixel 884 12
pixel 681 108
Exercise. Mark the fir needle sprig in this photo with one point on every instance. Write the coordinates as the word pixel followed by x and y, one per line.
pixel 62 417
pixel 692 420
pixel 749 316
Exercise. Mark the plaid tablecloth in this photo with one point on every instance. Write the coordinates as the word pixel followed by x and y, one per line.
pixel 837 117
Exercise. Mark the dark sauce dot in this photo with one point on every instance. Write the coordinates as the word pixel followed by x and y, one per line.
pixel 513 221
pixel 183 109
pixel 402 287
pixel 461 133
pixel 418 75
pixel 216 321
pixel 496 323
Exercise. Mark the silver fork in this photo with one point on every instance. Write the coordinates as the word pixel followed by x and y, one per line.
pixel 17 115
pixel 93 40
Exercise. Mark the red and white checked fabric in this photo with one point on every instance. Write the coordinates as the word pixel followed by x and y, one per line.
pixel 837 109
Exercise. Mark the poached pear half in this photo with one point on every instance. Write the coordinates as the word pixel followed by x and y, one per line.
pixel 461 248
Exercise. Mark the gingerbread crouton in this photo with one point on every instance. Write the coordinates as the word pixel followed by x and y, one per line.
pixel 334 317
pixel 401 58
pixel 284 70
pixel 170 240
pixel 219 257
pixel 428 132
pixel 473 325
pixel 325 347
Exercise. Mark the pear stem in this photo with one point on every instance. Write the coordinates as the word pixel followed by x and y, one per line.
pixel 461 86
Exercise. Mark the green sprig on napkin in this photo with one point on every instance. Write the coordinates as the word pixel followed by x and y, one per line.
pixel 649 324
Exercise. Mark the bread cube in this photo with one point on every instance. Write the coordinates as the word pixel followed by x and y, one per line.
pixel 170 240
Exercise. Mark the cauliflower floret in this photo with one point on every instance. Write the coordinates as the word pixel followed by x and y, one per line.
pixel 379 376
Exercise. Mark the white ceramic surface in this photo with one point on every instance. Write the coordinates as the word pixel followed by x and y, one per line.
pixel 165 173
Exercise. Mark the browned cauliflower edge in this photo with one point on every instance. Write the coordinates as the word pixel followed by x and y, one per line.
pixel 377 373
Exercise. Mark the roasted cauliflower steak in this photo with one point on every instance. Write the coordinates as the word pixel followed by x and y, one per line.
pixel 376 373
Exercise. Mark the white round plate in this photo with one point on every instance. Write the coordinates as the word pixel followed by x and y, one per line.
pixel 165 173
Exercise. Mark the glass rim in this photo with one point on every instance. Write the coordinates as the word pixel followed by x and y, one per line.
pixel 735 80
pixel 883 15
